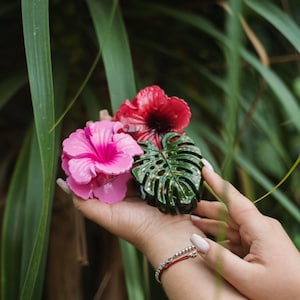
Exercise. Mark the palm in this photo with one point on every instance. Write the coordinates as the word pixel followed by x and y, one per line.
pixel 131 219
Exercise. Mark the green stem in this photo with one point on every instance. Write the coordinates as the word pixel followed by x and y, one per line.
pixel 291 170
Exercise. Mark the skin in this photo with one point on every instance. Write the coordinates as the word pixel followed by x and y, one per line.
pixel 159 236
pixel 258 259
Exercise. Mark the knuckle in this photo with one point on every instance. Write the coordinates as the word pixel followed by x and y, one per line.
pixel 273 223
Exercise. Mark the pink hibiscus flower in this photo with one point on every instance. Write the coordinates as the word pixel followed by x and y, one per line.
pixel 152 114
pixel 97 161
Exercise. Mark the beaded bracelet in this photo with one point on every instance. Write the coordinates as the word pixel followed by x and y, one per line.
pixel 183 254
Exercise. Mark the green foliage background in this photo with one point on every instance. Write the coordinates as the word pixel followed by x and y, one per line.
pixel 236 63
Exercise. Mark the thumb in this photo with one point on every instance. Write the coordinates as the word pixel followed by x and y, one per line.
pixel 230 266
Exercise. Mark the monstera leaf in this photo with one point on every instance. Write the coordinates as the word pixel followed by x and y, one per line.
pixel 170 178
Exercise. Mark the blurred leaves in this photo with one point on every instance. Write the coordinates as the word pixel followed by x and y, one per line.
pixel 279 19
pixel 112 39
pixel 10 86
pixel 245 113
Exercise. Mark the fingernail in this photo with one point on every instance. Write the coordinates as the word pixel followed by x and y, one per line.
pixel 63 185
pixel 200 243
pixel 195 218
pixel 207 164
pixel 104 115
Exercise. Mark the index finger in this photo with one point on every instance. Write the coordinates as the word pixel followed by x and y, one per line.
pixel 239 207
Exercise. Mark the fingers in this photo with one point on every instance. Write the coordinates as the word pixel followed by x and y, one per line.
pixel 110 216
pixel 118 218
pixel 94 210
pixel 218 229
pixel 105 215
pixel 211 209
pixel 215 210
pixel 230 266
pixel 237 249
pixel 104 115
pixel 126 219
pixel 63 185
pixel 241 209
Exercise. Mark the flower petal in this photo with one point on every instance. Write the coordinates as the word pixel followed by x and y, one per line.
pixel 125 148
pixel 149 96
pixel 120 164
pixel 126 144
pixel 177 112
pixel 65 163
pixel 113 191
pixel 131 117
pixel 83 191
pixel 82 169
pixel 101 137
pixel 77 144
pixel 150 136
pixel 98 159
pixel 152 114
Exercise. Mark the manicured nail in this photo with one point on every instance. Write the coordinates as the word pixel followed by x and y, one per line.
pixel 195 218
pixel 104 115
pixel 63 185
pixel 207 164
pixel 200 243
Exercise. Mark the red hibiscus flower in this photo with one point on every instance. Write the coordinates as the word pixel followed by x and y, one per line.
pixel 152 114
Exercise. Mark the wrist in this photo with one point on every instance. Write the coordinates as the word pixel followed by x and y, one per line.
pixel 179 256
pixel 164 243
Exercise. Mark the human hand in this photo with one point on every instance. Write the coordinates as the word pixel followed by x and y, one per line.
pixel 258 258
pixel 158 236
pixel 139 223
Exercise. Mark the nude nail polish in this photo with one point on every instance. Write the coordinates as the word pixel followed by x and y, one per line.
pixel 207 164
pixel 63 185
pixel 200 243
